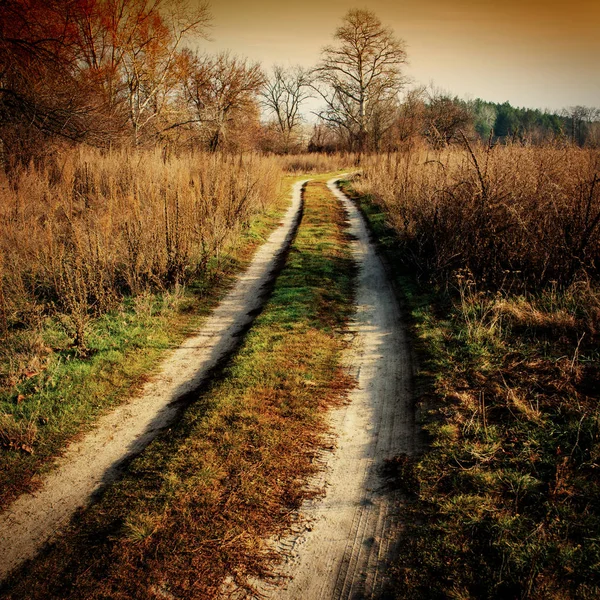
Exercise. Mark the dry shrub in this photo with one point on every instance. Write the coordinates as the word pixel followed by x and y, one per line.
pixel 514 216
pixel 316 162
pixel 86 228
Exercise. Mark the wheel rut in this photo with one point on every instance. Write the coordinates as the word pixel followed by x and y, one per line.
pixel 97 459
pixel 343 550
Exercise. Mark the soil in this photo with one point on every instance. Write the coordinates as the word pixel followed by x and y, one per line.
pixel 345 539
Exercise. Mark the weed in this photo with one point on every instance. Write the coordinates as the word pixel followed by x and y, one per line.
pixel 516 217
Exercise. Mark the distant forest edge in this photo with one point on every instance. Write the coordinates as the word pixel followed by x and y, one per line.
pixel 443 119
pixel 114 73
pixel 579 124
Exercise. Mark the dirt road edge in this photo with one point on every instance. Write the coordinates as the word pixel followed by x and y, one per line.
pixel 342 551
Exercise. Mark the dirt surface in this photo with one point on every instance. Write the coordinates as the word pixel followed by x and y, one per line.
pixel 345 538
pixel 91 463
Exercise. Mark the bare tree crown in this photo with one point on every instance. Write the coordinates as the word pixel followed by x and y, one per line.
pixel 360 76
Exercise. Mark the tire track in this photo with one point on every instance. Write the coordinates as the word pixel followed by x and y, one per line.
pixel 96 460
pixel 342 553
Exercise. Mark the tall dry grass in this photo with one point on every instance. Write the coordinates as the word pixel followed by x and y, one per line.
pixel 86 228
pixel 508 241
pixel 317 162
pixel 511 215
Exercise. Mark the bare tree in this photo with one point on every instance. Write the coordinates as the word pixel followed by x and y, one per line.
pixel 580 120
pixel 221 90
pixel 445 117
pixel 360 77
pixel 283 94
pixel 409 119
pixel 151 46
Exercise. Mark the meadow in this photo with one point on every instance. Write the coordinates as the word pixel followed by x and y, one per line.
pixel 495 250
pixel 140 172
pixel 109 258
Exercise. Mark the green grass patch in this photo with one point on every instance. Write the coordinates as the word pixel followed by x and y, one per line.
pixel 199 502
pixel 50 393
pixel 507 492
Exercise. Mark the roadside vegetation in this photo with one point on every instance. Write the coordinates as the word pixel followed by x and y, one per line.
pixel 496 251
pixel 196 507
pixel 108 261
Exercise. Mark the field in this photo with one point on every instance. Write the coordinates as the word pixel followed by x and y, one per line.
pixel 495 251
pixel 107 261
pixel 234 470
pixel 111 258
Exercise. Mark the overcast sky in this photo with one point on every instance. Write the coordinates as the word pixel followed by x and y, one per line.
pixel 534 53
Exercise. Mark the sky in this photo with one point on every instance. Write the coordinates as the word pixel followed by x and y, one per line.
pixel 534 53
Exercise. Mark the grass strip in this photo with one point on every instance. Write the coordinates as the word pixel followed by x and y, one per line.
pixel 198 504
pixel 507 494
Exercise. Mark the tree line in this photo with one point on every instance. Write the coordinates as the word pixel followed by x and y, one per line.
pixel 128 72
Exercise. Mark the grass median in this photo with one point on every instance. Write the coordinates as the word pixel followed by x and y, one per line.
pixel 198 505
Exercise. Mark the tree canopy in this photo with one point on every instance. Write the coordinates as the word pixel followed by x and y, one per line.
pixel 360 77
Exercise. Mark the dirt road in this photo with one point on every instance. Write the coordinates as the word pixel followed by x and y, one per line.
pixel 341 554
pixel 89 464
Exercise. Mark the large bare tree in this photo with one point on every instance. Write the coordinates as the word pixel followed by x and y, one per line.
pixel 151 51
pixel 283 94
pixel 360 78
pixel 221 91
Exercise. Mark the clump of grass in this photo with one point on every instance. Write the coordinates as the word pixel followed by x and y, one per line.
pixel 19 435
pixel 196 507
pixel 507 493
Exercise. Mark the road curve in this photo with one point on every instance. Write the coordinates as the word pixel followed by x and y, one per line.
pixel 343 550
pixel 33 519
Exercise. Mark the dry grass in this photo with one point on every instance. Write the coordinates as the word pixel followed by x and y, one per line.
pixel 316 162
pixel 107 261
pixel 507 249
pixel 198 505
pixel 513 216
pixel 87 228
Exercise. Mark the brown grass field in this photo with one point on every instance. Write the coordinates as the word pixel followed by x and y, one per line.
pixel 200 502
pixel 504 243
pixel 495 251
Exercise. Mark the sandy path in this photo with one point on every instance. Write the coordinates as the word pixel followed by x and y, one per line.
pixel 87 465
pixel 342 551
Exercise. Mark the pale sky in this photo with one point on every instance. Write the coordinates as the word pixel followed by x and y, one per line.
pixel 534 53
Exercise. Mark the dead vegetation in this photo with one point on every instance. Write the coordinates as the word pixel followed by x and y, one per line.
pixel 505 242
pixel 195 508
pixel 517 217
pixel 88 228
pixel 107 260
